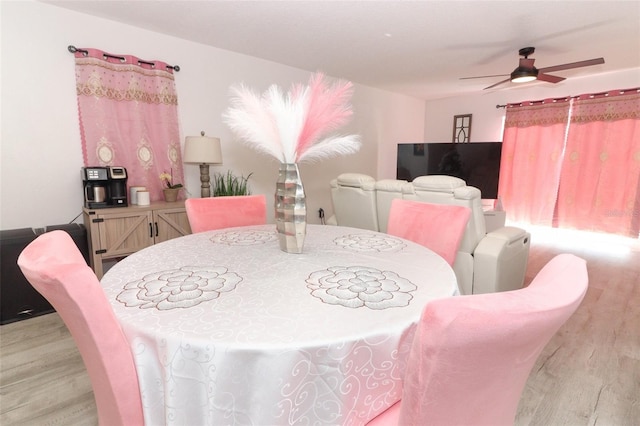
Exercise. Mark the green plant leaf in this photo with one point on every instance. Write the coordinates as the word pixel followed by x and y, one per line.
pixel 229 184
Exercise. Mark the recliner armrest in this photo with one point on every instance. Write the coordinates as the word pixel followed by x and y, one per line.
pixel 467 193
pixel 508 233
pixel 500 260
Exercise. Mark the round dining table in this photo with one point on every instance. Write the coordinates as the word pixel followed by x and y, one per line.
pixel 226 328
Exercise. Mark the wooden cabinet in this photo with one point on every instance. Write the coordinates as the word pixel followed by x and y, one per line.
pixel 117 232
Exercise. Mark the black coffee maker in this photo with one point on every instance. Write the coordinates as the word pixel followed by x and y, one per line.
pixel 104 187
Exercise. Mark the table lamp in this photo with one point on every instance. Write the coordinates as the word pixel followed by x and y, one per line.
pixel 203 150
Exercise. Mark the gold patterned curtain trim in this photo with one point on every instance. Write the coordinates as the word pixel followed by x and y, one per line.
pixel 610 93
pixel 538 114
pixel 539 102
pixel 92 86
pixel 605 117
pixel 88 89
pixel 606 108
pixel 612 105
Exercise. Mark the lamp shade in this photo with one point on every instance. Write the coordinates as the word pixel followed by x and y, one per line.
pixel 202 150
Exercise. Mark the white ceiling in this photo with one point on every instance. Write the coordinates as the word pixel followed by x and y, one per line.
pixel 420 48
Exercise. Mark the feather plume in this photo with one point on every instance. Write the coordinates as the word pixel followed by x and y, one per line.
pixel 289 126
pixel 332 147
pixel 248 118
pixel 288 113
pixel 328 109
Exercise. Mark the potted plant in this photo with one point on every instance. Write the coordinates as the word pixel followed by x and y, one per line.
pixel 172 189
pixel 229 184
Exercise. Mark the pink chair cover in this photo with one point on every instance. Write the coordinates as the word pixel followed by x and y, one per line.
pixel 472 355
pixel 438 227
pixel 206 214
pixel 54 266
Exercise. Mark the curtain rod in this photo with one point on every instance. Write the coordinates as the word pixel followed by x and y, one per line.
pixel 591 95
pixel 73 49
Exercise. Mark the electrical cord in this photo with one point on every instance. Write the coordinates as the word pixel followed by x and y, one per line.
pixel 74 219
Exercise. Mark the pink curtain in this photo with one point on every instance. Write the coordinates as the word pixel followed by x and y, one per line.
pixel 532 149
pixel 128 117
pixel 599 184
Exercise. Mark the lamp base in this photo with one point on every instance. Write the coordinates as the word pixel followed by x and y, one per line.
pixel 205 179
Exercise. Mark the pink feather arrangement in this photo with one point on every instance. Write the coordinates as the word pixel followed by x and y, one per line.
pixel 294 127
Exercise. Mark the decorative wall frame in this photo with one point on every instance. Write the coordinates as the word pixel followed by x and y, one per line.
pixel 461 128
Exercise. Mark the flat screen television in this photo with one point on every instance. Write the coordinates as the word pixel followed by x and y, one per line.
pixel 477 163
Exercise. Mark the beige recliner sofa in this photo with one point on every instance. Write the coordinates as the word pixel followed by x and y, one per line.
pixel 486 262
pixel 354 201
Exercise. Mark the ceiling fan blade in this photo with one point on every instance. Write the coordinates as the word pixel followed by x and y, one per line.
pixel 526 62
pixel 497 84
pixel 483 76
pixel 571 65
pixel 549 78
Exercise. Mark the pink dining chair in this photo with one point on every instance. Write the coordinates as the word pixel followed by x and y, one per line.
pixel 471 355
pixel 439 227
pixel 206 214
pixel 56 269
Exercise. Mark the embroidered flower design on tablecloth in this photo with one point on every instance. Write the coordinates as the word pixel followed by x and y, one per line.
pixel 178 288
pixel 357 286
pixel 370 242
pixel 244 238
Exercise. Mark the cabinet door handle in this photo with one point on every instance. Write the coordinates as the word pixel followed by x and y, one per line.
pixel 156 223
pixel 150 230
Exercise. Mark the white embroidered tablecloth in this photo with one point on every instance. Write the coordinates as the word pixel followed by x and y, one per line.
pixel 228 329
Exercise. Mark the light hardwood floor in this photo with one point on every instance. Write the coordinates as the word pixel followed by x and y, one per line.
pixel 589 374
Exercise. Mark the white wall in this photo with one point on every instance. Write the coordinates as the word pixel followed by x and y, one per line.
pixel 40 152
pixel 487 119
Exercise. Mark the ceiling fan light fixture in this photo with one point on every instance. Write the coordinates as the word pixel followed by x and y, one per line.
pixel 524 75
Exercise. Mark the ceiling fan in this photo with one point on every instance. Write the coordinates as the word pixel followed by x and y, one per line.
pixel 527 72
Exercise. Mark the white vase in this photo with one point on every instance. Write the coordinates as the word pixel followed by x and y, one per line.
pixel 291 209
